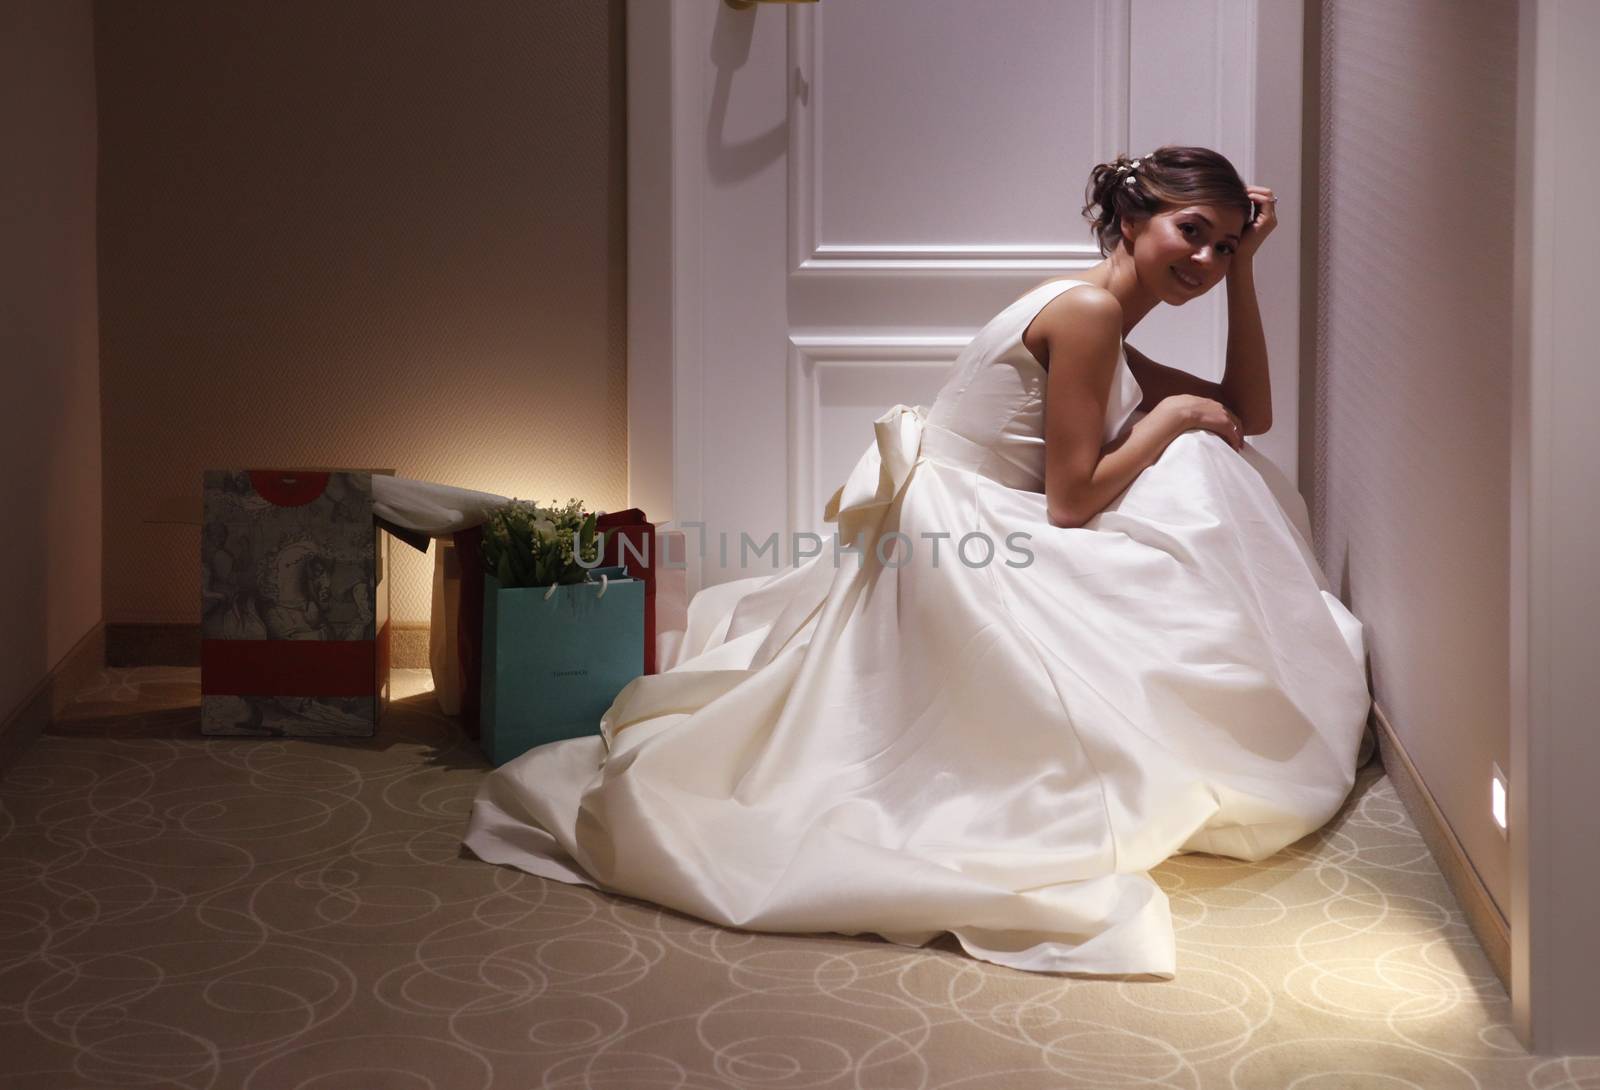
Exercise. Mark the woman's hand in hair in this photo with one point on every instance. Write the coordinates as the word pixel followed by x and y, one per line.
pixel 1256 231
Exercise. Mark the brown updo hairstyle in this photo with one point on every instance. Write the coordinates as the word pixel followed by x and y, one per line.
pixel 1170 176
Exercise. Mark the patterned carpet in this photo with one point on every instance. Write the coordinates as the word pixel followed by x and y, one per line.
pixel 183 912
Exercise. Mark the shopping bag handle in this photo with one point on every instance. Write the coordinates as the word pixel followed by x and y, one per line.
pixel 604 579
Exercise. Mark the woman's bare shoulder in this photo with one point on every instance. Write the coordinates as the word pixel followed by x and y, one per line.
pixel 1060 280
pixel 1088 298
pixel 1088 313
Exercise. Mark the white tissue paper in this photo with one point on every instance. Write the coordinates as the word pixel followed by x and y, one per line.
pixel 432 509
pixel 437 511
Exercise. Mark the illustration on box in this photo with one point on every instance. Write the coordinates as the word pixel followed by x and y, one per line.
pixel 287 573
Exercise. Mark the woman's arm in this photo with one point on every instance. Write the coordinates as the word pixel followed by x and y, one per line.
pixel 1246 386
pixel 1082 330
pixel 1121 462
pixel 1159 382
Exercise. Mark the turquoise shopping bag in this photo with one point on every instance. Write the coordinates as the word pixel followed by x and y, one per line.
pixel 554 661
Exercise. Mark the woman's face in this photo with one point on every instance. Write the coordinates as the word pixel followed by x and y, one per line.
pixel 1182 253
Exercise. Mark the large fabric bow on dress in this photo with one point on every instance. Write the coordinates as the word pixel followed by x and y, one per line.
pixel 858 508
pixel 880 474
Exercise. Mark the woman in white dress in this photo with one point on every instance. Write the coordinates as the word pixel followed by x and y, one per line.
pixel 1084 633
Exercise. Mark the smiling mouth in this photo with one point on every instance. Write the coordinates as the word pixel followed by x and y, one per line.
pixel 1184 280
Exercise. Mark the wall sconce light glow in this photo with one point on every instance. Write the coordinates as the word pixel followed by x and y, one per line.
pixel 1497 798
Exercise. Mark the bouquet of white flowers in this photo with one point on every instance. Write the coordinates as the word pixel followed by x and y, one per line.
pixel 525 545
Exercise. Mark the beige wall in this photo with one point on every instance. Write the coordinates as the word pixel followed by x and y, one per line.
pixel 1408 461
pixel 366 233
pixel 49 393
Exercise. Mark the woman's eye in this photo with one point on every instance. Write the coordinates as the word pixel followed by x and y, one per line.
pixel 1186 227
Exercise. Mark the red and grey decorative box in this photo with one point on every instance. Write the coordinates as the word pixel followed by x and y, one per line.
pixel 294 605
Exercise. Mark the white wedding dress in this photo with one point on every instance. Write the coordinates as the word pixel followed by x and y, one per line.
pixel 997 751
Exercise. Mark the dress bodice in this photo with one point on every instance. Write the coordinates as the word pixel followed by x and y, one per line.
pixel 989 415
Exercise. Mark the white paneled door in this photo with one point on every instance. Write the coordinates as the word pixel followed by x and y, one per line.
pixel 827 200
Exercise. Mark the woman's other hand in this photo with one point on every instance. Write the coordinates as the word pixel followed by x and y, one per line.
pixel 1184 412
pixel 1256 231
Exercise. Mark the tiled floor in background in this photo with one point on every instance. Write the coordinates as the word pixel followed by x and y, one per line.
pixel 186 912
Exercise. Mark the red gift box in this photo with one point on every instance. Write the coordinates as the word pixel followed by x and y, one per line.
pixel 630 541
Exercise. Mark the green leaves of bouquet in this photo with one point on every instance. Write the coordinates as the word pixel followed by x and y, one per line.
pixel 526 545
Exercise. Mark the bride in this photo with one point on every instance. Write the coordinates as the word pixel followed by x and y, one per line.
pixel 992 740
